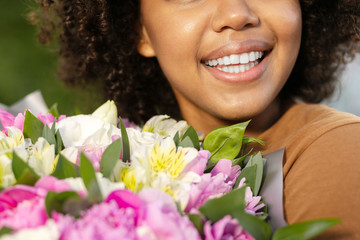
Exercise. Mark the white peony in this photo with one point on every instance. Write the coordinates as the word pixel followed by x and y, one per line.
pixel 82 130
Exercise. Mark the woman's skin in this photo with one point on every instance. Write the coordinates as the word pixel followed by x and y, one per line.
pixel 187 35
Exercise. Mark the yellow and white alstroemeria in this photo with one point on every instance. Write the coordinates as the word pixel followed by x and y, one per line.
pixel 160 166
pixel 42 157
pixel 13 141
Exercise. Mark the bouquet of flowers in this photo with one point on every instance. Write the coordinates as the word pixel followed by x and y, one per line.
pixel 100 177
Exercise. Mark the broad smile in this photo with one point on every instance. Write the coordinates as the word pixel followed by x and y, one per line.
pixel 236 63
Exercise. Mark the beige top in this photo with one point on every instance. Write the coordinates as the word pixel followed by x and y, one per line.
pixel 321 166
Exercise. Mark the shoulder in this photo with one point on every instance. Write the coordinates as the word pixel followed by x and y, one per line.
pixel 320 129
pixel 305 127
pixel 321 168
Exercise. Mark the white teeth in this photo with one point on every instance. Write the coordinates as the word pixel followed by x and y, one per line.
pixel 244 58
pixel 220 61
pixel 238 68
pixel 252 56
pixel 233 59
pixel 226 60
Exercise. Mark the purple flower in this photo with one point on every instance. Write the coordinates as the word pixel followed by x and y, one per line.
pixel 225 229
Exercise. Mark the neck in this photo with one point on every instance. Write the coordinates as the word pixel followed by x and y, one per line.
pixel 205 122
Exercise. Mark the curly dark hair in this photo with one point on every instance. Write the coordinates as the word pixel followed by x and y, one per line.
pixel 98 41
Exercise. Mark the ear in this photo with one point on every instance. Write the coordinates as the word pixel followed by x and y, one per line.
pixel 145 47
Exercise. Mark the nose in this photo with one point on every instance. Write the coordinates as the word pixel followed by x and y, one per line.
pixel 233 14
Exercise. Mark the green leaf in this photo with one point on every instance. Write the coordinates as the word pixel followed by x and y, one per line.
pixel 57 201
pixel 88 175
pixel 256 227
pixel 177 139
pixel 256 160
pixel 125 143
pixel 192 134
pixel 110 157
pixel 65 169
pixel 33 127
pixel 5 231
pixel 225 142
pixel 198 222
pixel 186 142
pixel 49 134
pixel 54 110
pixel 215 209
pixel 247 140
pixel 59 143
pixel 304 230
pixel 22 171
pixel 240 160
pixel 249 173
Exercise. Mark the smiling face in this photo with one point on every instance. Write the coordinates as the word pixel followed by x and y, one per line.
pixel 226 60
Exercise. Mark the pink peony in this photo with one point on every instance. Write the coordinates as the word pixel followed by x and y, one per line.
pixel 225 229
pixel 164 220
pixel 127 199
pixel 214 184
pixel 23 206
pixel 105 221
pixel 29 213
pixel 49 183
pixel 49 118
pixel 198 165
pixel 11 197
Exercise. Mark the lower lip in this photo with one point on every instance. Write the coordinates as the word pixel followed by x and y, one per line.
pixel 248 76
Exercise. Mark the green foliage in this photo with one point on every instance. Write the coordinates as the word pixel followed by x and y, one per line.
pixel 110 157
pixel 125 143
pixel 54 110
pixel 65 169
pixel 257 227
pixel 23 173
pixel 5 231
pixel 33 127
pixel 67 202
pixel 190 139
pixel 304 230
pixel 253 173
pixel 225 142
pixel 88 176
pixel 197 220
pixel 217 208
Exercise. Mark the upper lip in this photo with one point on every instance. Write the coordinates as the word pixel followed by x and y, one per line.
pixel 238 48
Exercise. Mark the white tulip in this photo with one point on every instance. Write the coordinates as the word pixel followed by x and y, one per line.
pixel 165 126
pixel 107 112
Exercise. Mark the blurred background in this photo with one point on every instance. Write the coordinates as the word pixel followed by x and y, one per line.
pixel 26 66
